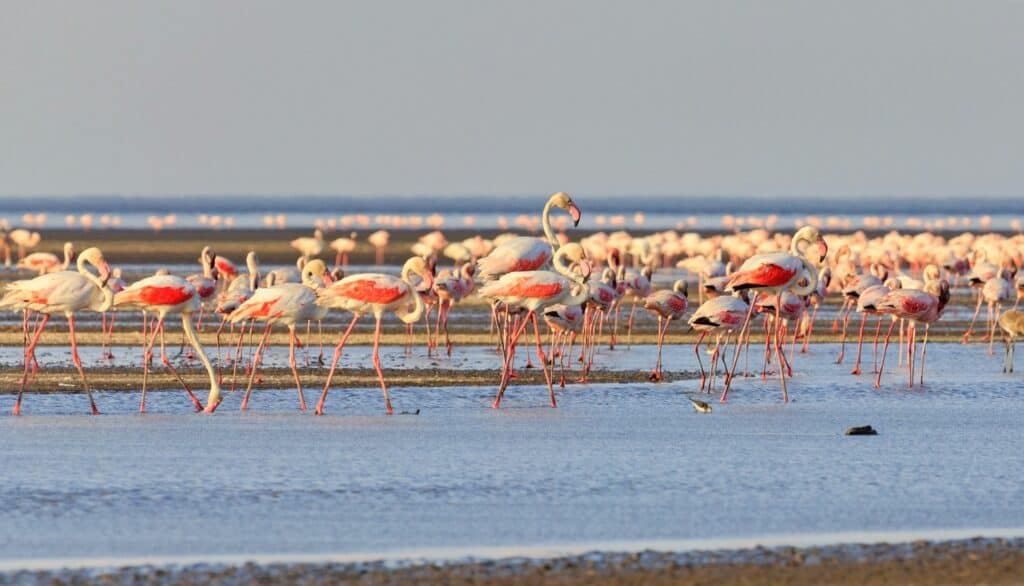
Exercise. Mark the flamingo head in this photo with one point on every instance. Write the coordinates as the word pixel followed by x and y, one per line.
pixel 562 200
pixel 822 249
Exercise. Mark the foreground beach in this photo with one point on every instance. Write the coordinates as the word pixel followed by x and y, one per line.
pixel 970 561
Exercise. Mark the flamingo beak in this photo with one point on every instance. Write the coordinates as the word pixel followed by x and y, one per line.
pixel 105 273
pixel 575 213
pixel 822 249
pixel 428 279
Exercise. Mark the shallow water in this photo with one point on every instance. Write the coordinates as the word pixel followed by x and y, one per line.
pixel 614 463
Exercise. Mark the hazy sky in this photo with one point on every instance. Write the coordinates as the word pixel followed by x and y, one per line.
pixel 590 97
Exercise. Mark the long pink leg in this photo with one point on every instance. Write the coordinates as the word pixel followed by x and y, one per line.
pixel 970 328
pixel 924 351
pixel 29 352
pixel 295 368
pixel 167 363
pixel 376 365
pixel 860 342
pixel 885 350
pixel 255 366
pixel 839 316
pixel 993 318
pixel 874 349
pixel 736 357
pixel 629 333
pixel 510 353
pixel 810 329
pixel 911 343
pixel 78 363
pixel 842 346
pixel 715 355
pixel 656 373
pixel 700 363
pixel 334 364
pixel 778 352
pixel 543 359
pixel 147 352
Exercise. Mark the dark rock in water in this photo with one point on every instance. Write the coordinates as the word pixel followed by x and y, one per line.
pixel 416 412
pixel 862 430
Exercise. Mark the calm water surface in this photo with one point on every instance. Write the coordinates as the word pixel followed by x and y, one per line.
pixel 614 463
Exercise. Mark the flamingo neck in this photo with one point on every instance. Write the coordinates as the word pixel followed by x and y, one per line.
pixel 417 311
pixel 213 398
pixel 559 263
pixel 812 278
pixel 545 220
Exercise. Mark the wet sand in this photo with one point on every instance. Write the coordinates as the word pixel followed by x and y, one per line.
pixel 971 561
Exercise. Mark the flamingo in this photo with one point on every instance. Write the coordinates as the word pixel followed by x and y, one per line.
pixel 996 292
pixel 165 295
pixel 309 247
pixel 667 305
pixel 982 272
pixel 379 240
pixel 451 289
pixel 286 303
pixel 776 272
pixel 535 290
pixel 343 246
pixel 638 285
pixel 375 293
pixel 47 262
pixel 564 321
pixel 24 240
pixel 919 307
pixel 867 304
pixel 851 291
pixel 66 292
pixel 718 315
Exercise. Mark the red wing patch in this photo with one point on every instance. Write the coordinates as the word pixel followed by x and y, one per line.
pixel 530 264
pixel 912 305
pixel 766 275
pixel 606 295
pixel 728 317
pixel 677 304
pixel 524 288
pixel 368 291
pixel 225 266
pixel 163 295
pixel 205 292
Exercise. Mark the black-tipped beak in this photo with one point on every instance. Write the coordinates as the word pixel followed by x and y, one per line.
pixel 575 213
pixel 822 249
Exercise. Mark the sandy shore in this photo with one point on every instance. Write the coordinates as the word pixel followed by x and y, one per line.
pixel 972 561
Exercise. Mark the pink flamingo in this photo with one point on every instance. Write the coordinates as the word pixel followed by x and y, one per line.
pixel 375 293
pixel 379 240
pixel 309 247
pixel 919 307
pixel 565 323
pixel 776 272
pixel 718 315
pixel 164 295
pixel 667 305
pixel 66 292
pixel 867 304
pixel 451 289
pixel 287 303
pixel 533 291
pixel 851 291
pixel 47 262
pixel 343 246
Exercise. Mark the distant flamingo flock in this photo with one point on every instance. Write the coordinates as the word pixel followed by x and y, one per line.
pixel 552 296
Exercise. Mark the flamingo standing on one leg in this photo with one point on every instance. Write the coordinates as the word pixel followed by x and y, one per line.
pixel 774 273
pixel 164 295
pixel 66 292
pixel 668 305
pixel 287 303
pixel 375 293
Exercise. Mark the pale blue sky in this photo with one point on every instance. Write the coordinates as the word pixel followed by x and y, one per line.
pixel 831 98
